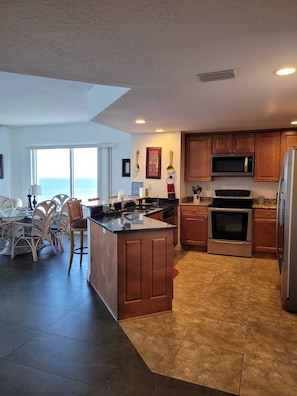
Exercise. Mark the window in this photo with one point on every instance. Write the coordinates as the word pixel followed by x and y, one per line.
pixel 73 171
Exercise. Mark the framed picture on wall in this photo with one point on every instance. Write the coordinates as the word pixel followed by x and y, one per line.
pixel 1 166
pixel 125 167
pixel 153 162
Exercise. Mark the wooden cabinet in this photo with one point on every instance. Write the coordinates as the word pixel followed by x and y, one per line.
pixel 288 139
pixel 170 216
pixel 132 271
pixel 264 230
pixel 267 152
pixel 197 157
pixel 193 225
pixel 145 262
pixel 157 216
pixel 233 143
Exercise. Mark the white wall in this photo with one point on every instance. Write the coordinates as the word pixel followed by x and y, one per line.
pixel 19 140
pixel 5 187
pixel 167 142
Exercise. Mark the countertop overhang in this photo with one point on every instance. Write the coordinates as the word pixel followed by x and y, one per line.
pixel 137 219
pixel 127 222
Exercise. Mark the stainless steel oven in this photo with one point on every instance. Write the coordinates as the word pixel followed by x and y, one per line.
pixel 230 223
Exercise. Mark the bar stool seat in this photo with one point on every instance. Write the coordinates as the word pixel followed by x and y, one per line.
pixel 78 223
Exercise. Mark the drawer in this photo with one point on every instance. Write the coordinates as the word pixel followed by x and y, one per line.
pixel 264 213
pixel 193 209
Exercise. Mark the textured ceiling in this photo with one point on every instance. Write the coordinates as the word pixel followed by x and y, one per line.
pixel 156 48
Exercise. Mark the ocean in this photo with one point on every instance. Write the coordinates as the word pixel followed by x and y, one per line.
pixel 84 188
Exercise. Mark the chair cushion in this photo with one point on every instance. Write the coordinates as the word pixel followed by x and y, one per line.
pixel 79 223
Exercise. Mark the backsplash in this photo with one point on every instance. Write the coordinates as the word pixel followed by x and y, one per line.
pixel 267 190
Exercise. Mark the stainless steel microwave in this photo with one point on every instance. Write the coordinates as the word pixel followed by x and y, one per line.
pixel 232 164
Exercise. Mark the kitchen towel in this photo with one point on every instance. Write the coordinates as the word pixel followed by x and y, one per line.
pixel 170 188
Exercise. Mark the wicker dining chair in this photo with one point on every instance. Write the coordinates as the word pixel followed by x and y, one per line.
pixel 60 200
pixel 6 206
pixel 36 232
pixel 60 227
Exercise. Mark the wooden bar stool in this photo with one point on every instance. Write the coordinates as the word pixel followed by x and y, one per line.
pixel 78 223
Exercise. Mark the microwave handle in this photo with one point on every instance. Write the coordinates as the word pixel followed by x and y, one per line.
pixel 246 163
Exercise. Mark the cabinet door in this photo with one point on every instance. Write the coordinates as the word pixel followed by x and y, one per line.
pixel 267 151
pixel 288 139
pixel 194 226
pixel 264 231
pixel 243 142
pixel 170 220
pixel 197 158
pixel 145 262
pixel 222 144
pixel 233 143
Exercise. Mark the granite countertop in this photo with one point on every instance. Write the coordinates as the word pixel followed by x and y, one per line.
pixel 201 203
pixel 264 206
pixel 130 221
pixel 205 201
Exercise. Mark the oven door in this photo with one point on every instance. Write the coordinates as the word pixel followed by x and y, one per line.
pixel 232 224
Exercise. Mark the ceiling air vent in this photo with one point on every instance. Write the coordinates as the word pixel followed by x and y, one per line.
pixel 216 76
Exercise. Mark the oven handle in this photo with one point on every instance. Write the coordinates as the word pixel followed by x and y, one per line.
pixel 245 210
pixel 246 163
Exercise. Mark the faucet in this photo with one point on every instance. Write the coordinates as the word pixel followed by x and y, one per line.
pixel 128 204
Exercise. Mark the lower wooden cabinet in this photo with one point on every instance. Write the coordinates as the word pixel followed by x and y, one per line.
pixel 264 230
pixel 132 271
pixel 193 225
pixel 170 216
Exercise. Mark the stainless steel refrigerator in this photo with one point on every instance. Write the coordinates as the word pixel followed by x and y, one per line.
pixel 286 232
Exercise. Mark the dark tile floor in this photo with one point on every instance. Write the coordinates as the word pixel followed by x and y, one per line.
pixel 57 337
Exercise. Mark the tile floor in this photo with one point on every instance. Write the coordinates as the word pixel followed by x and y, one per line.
pixel 227 330
pixel 57 338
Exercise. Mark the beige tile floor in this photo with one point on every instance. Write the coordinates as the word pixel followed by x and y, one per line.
pixel 227 330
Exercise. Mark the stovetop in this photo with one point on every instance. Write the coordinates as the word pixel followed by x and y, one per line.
pixel 231 198
pixel 233 193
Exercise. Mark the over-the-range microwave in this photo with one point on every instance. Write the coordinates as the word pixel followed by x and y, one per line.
pixel 232 164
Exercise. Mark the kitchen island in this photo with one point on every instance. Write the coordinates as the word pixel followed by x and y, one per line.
pixel 130 263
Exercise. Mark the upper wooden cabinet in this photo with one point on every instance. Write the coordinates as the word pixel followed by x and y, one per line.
pixel 197 157
pixel 267 152
pixel 233 143
pixel 269 148
pixel 288 139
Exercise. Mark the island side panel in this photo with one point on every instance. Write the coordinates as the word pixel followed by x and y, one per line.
pixel 145 272
pixel 104 269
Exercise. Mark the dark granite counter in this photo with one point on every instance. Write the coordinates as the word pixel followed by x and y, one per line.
pixel 131 221
pixel 137 219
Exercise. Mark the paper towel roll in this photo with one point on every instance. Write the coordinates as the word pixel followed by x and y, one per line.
pixel 141 192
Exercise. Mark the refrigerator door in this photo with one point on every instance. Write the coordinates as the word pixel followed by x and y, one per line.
pixel 287 208
pixel 280 214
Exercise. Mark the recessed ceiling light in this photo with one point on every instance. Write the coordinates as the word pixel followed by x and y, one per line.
pixel 140 121
pixel 294 122
pixel 285 71
pixel 159 130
